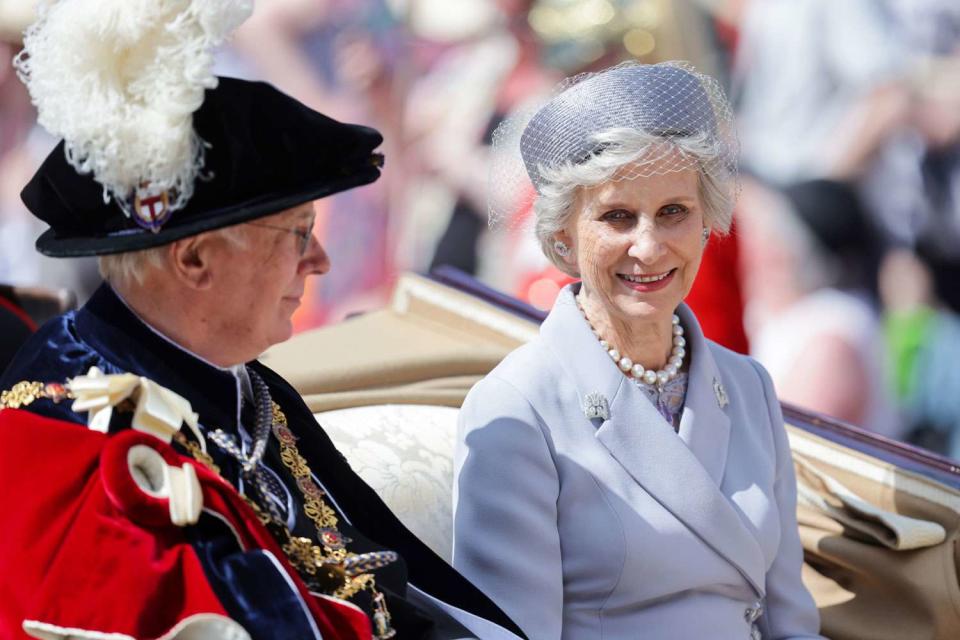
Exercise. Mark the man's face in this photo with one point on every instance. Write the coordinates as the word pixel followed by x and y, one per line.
pixel 257 288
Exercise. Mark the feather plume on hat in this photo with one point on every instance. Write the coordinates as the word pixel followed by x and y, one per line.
pixel 119 81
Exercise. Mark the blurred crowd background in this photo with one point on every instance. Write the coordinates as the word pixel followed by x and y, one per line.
pixel 841 273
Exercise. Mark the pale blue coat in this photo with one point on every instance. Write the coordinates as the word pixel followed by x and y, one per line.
pixel 620 528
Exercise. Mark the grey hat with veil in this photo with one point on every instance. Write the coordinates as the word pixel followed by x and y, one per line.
pixel 670 105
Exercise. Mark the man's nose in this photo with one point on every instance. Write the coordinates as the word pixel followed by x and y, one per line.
pixel 315 259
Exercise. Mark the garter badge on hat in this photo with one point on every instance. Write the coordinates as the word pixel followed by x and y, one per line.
pixel 151 207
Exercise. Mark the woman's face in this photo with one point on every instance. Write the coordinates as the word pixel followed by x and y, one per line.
pixel 637 243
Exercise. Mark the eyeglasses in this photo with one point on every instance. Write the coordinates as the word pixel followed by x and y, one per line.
pixel 304 234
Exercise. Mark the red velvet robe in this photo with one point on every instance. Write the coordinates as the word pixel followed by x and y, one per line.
pixel 84 548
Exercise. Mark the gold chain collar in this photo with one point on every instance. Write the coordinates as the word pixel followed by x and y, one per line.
pixel 330 567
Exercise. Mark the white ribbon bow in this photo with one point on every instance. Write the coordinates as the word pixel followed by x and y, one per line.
pixel 158 410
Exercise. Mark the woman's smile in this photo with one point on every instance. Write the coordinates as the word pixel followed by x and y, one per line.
pixel 646 283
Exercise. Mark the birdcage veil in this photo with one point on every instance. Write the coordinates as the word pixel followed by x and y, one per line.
pixel 678 117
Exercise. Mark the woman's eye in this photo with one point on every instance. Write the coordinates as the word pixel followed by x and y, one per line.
pixel 673 210
pixel 617 215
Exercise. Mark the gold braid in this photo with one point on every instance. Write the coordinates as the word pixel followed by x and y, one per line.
pixel 24 393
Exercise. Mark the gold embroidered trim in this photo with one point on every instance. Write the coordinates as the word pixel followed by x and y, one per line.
pixel 323 516
pixel 329 564
pixel 25 392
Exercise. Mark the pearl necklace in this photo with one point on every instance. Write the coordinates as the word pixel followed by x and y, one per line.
pixel 636 370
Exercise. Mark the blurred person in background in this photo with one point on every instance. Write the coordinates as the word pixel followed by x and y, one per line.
pixel 471 82
pixel 923 338
pixel 811 257
pixel 803 69
pixel 524 80
pixel 865 92
pixel 908 167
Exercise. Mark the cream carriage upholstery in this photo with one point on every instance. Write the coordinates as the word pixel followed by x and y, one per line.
pixel 880 542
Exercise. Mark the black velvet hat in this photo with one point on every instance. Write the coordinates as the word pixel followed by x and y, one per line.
pixel 266 152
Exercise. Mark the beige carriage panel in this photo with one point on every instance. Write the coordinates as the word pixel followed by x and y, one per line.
pixel 880 544
pixel 439 342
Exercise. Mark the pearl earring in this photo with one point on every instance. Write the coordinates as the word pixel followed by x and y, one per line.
pixel 561 248
pixel 706 234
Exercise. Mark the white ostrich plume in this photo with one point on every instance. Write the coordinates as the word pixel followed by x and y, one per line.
pixel 119 81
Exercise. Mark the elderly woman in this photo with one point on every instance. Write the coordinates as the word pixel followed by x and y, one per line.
pixel 621 476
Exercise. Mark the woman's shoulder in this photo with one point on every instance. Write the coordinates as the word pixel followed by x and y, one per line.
pixel 527 366
pixel 525 375
pixel 751 399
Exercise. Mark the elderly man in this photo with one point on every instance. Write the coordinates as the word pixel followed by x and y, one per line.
pixel 201 278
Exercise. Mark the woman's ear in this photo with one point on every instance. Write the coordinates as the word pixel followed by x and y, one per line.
pixel 190 261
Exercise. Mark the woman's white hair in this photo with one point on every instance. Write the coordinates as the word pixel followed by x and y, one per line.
pixel 125 269
pixel 624 147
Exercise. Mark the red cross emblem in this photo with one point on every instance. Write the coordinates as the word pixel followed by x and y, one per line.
pixel 151 209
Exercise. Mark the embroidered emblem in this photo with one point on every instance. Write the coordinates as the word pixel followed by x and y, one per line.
pixel 595 406
pixel 151 208
pixel 332 538
pixel 721 393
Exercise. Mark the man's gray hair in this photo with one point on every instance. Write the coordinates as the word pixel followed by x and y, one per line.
pixel 624 147
pixel 124 269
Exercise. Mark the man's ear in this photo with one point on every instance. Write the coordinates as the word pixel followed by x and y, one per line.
pixel 190 261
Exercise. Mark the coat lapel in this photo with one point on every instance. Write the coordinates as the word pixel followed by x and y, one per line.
pixel 704 425
pixel 682 473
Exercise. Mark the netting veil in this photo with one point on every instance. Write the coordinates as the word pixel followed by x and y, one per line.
pixel 681 118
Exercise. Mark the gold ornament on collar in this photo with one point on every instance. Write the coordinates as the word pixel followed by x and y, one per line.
pixel 156 409
pixel 25 393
